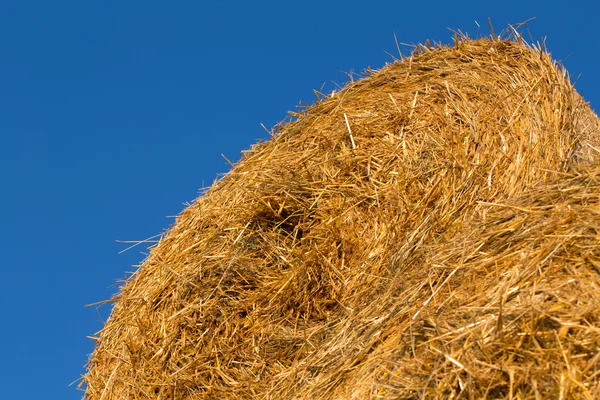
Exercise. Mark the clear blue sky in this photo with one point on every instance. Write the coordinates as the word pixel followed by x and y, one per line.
pixel 114 114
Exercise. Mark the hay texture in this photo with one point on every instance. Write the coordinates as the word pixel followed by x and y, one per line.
pixel 431 231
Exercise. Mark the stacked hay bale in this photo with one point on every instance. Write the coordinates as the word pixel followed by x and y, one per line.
pixel 430 231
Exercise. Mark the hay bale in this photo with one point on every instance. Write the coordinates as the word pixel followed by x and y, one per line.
pixel 430 231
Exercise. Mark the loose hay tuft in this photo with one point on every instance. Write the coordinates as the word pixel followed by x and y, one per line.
pixel 430 231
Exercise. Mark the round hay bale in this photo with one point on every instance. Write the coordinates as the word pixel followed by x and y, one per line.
pixel 430 231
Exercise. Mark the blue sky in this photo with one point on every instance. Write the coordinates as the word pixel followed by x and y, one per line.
pixel 114 114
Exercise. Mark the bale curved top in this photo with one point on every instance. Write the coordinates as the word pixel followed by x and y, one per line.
pixel 430 229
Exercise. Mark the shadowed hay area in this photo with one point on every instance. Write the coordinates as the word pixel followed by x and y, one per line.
pixel 431 231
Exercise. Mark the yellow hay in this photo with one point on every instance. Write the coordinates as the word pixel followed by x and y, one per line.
pixel 430 231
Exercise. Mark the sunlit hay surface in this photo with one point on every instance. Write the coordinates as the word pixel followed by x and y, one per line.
pixel 431 231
